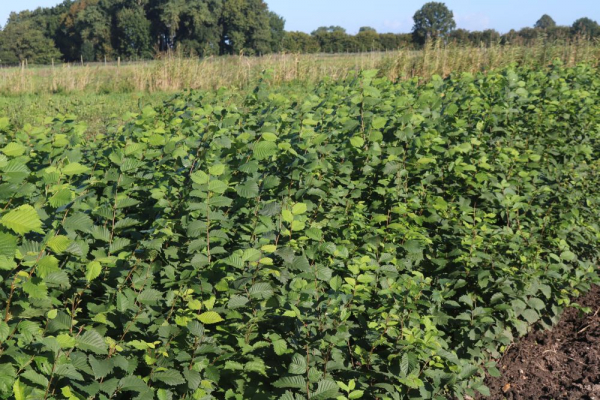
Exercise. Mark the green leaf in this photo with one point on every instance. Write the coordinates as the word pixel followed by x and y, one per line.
pixel 256 366
pixel 163 394
pixel 133 384
pixel 150 296
pixel 297 382
pixel 248 190
pixel 357 142
pixel 170 377
pixel 468 371
pixel 68 393
pixel 196 328
pixel 35 378
pixel 280 346
pixel 14 149
pixel 451 110
pixel 251 255
pixel 91 340
pixel 8 245
pixel 79 222
pixel 217 186
pixel 193 378
pixel 404 365
pixel 217 170
pixel 118 244
pixel 68 371
pixel 66 341
pixel 298 226
pixel 7 264
pixel 264 150
pixel 568 256
pixel 536 304
pixel 93 270
pixel 61 198
pixel 426 160
pixel 379 122
pixel 234 366
pixel 326 389
pixel 35 290
pixel 7 373
pixel 269 137
pixel 298 365
pixel 314 234
pixel 22 220
pixel 269 248
pixel 413 246
pixel 484 390
pixel 199 177
pixel 4 123
pixel 19 390
pixel 530 315
pixel 261 290
pixel 299 209
pixel 75 169
pixel 494 372
pixel 287 216
pixel 210 317
pixel 46 266
pixel 59 243
pixel 237 302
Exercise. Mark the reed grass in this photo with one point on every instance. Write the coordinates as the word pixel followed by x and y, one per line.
pixel 175 73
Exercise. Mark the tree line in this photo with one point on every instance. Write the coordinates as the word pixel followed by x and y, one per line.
pixel 95 30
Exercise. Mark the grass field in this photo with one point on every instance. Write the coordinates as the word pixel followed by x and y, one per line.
pixel 174 73
pixel 95 92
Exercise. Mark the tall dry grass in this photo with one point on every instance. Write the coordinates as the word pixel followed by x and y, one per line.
pixel 174 73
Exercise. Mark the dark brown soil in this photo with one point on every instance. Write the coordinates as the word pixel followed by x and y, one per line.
pixel 563 363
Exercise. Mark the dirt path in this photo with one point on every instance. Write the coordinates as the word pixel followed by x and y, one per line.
pixel 560 364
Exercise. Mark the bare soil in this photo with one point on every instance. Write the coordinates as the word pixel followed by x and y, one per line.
pixel 563 363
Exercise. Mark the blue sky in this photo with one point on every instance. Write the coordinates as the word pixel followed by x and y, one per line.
pixel 396 15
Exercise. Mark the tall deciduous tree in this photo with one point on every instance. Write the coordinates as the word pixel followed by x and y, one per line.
pixel 193 24
pixel 21 40
pixel 586 27
pixel 334 39
pixel 94 26
pixel 133 33
pixel 199 30
pixel 328 29
pixel 246 27
pixel 300 42
pixel 368 39
pixel 434 20
pixel 395 41
pixel 277 25
pixel 545 22
pixel 367 29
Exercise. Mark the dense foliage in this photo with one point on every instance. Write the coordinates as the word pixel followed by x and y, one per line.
pixel 433 21
pixel 364 240
pixel 98 30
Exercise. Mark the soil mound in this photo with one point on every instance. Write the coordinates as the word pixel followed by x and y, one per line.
pixel 563 363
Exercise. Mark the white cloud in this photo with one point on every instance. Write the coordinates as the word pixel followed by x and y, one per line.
pixel 473 22
pixel 395 25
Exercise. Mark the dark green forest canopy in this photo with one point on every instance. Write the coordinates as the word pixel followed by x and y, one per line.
pixel 95 30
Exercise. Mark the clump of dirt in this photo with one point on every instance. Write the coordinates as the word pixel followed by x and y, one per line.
pixel 563 363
